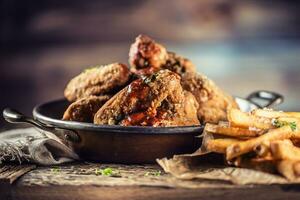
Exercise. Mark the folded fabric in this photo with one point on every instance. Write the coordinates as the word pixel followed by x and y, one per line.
pixel 35 146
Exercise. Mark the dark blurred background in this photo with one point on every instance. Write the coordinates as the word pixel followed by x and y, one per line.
pixel 242 45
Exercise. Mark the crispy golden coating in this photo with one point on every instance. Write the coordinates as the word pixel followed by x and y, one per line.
pixel 101 80
pixel 190 108
pixel 83 110
pixel 168 91
pixel 213 102
pixel 147 56
pixel 179 64
pixel 155 100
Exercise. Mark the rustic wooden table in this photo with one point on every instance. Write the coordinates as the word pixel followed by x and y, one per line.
pixel 81 181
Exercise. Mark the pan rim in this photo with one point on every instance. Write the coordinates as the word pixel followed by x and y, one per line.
pixel 72 125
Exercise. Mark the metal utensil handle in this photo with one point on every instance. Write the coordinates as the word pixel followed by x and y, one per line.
pixel 13 116
pixel 271 98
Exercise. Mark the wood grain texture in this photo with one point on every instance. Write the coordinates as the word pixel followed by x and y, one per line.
pixel 145 193
pixel 79 181
pixel 10 173
pixel 128 175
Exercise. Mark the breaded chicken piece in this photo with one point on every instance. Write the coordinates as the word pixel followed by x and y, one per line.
pixel 83 110
pixel 155 100
pixel 179 64
pixel 213 102
pixel 100 80
pixel 191 107
pixel 147 56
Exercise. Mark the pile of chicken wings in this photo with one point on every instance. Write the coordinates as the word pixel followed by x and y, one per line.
pixel 158 88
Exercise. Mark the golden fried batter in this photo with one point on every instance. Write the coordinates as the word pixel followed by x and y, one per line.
pixel 168 91
pixel 155 100
pixel 146 56
pixel 101 80
pixel 179 64
pixel 190 108
pixel 83 110
pixel 213 102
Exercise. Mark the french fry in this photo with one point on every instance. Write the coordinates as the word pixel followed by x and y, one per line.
pixel 289 158
pixel 226 130
pixel 293 123
pixel 274 114
pixel 288 119
pixel 290 169
pixel 263 150
pixel 215 143
pixel 220 145
pixel 285 150
pixel 240 119
pixel 244 147
pixel 262 139
pixel 265 164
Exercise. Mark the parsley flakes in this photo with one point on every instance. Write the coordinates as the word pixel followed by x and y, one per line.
pixel 278 124
pixel 55 169
pixel 107 172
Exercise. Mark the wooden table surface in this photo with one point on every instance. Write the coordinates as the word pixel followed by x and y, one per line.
pixel 80 181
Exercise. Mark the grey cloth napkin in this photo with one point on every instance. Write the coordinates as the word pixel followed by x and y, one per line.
pixel 35 146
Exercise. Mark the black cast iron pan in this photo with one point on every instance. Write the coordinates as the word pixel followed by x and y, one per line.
pixel 119 144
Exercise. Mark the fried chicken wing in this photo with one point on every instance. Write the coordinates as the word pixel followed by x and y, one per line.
pixel 155 100
pixel 179 64
pixel 167 91
pixel 146 56
pixel 83 110
pixel 100 80
pixel 213 102
pixel 190 107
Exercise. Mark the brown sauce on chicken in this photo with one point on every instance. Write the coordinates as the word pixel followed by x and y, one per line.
pixel 164 90
pixel 139 90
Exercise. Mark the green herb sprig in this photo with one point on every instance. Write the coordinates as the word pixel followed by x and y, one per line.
pixel 277 123
pixel 55 169
pixel 107 172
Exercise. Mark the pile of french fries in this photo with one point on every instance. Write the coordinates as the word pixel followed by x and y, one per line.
pixel 263 139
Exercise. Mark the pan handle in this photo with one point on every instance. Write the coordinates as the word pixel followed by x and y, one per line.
pixel 271 98
pixel 13 116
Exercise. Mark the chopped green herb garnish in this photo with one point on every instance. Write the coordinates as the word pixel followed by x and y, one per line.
pixel 107 172
pixel 55 169
pixel 153 173
pixel 278 124
pixel 293 126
